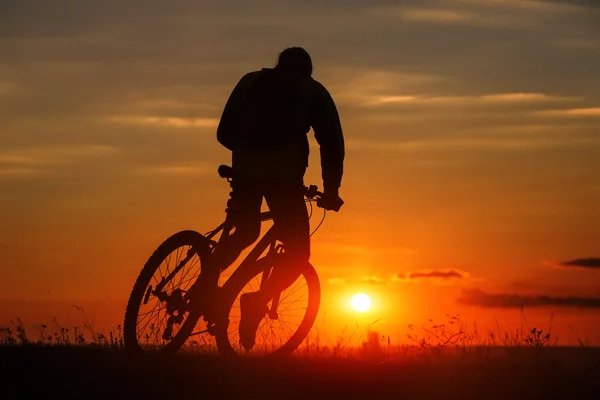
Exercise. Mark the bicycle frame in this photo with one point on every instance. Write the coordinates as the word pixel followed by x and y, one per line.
pixel 267 241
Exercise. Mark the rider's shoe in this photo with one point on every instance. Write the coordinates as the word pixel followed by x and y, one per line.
pixel 253 308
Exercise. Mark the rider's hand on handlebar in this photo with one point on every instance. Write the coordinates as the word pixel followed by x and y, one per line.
pixel 330 200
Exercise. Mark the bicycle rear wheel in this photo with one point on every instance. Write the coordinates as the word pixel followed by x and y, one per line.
pixel 295 315
pixel 158 320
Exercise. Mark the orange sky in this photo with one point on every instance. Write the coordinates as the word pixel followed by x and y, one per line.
pixel 472 150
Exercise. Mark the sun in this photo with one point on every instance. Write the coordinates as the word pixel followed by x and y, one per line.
pixel 361 302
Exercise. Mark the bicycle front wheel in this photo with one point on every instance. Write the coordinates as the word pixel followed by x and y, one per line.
pixel 281 331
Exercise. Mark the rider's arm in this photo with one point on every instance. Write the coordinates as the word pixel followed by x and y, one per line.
pixel 326 124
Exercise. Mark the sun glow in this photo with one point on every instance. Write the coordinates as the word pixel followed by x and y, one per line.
pixel 361 302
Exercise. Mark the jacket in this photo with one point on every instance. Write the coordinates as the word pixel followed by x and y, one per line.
pixel 289 156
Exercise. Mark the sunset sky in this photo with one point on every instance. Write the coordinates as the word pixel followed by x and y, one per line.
pixel 472 174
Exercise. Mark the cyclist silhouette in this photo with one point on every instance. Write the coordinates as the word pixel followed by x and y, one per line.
pixel 265 124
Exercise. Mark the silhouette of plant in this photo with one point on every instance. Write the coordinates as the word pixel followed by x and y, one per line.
pixel 440 337
pixel 536 338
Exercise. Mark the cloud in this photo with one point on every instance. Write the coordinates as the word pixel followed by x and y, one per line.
pixel 464 144
pixel 355 86
pixel 585 263
pixel 440 276
pixel 16 165
pixel 22 172
pixel 571 3
pixel 15 159
pixel 8 88
pixel 571 112
pixel 534 5
pixel 575 44
pixel 175 122
pixel 458 17
pixel 55 155
pixel 347 249
pixel 370 280
pixel 524 97
pixel 486 99
pixel 477 297
pixel 339 248
pixel 177 170
pixel 431 15
pixel 162 104
pixel 446 274
pixel 375 280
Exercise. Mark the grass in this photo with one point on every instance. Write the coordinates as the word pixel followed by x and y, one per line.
pixel 451 337
pixel 448 360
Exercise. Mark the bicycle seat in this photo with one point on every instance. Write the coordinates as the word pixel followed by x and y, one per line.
pixel 225 171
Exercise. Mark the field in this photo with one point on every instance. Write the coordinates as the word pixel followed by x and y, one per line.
pixel 65 365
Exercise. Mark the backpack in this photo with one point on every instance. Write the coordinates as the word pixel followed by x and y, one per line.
pixel 275 110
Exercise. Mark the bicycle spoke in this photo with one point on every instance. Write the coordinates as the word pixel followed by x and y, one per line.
pixel 298 280
pixel 149 322
pixel 152 327
pixel 177 261
pixel 291 317
pixel 168 264
pixel 283 324
pixel 287 307
pixel 145 315
pixel 252 286
pixel 183 282
pixel 160 267
pixel 290 302
pixel 290 293
pixel 187 270
pixel 148 312
pixel 156 328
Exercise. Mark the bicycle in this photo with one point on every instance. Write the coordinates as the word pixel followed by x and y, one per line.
pixel 183 304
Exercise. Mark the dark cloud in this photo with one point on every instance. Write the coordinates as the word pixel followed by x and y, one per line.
pixel 449 274
pixel 584 3
pixel 582 263
pixel 477 297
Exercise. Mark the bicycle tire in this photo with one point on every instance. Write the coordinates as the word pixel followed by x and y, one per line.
pixel 236 284
pixel 177 240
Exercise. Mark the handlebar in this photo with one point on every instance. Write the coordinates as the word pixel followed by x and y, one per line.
pixel 312 192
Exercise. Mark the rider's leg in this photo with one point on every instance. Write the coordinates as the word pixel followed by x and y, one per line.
pixel 290 217
pixel 244 213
